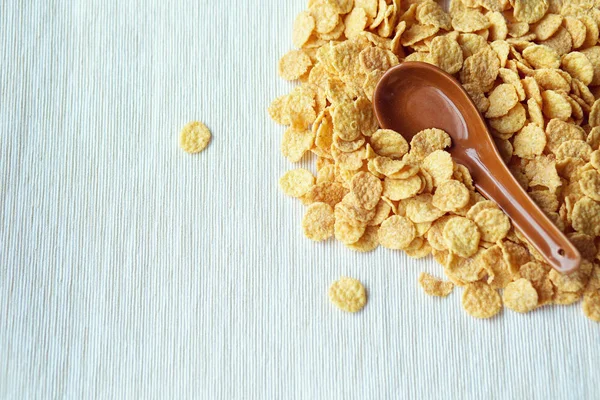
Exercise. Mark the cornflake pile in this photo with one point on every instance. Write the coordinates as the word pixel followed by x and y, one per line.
pixel 532 68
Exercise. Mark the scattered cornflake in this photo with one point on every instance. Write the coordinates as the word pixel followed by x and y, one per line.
pixel 348 294
pixel 434 286
pixel 194 137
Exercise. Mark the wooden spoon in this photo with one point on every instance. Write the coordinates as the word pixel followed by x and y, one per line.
pixel 414 96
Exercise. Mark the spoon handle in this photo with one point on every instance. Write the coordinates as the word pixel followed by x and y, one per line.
pixel 527 217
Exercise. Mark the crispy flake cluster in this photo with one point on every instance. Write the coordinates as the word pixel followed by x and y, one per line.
pixel 532 67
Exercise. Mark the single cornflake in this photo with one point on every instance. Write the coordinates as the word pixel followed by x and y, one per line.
pixel 439 165
pixel 502 99
pixel 367 189
pixel 293 65
pixel 421 209
pixel 297 182
pixel 511 122
pixel 586 216
pixel 396 232
pixel 369 241
pixel 540 56
pixel 194 137
pixel 481 301
pixel 434 286
pixel 400 189
pixel 529 142
pixel 304 25
pixel 493 224
pixel 389 143
pixel 446 54
pixel 462 236
pixel 318 222
pixel 578 66
pixel 450 196
pixel 520 296
pixel 348 294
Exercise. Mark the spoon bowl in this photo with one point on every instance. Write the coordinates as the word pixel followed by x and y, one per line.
pixel 414 96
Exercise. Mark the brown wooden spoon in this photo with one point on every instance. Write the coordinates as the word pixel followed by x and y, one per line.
pixel 414 96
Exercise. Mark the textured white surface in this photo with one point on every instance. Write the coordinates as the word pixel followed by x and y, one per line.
pixel 131 269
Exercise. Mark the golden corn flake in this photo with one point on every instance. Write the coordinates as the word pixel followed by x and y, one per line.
pixel 439 165
pixel 297 182
pixel 328 192
pixel 578 66
pixel 375 58
pixel 520 296
pixel 427 141
pixel 396 232
pixel 510 76
pixel 382 211
pixel 421 209
pixel 469 21
pixel 348 294
pixel 326 17
pixel 434 286
pixel 418 32
pixel 591 30
pixel 555 105
pixel 493 224
pixel 295 143
pixel 400 189
pixel 502 99
pixel 591 305
pixel 462 236
pixel 593 54
pixel 498 270
pixel 194 137
pixel 595 114
pixel 481 301
pixel 558 132
pixel 348 231
pixel 541 171
pixel 318 222
pixel 450 196
pixel 396 169
pixel 481 69
pixel 430 13
pixel 576 29
pixel 578 149
pixel 345 121
pixel 540 56
pixel 529 141
pixel 368 241
pixel 547 26
pixel 299 108
pixel 446 54
pixel 471 43
pixel 586 216
pixel 367 189
pixel 304 24
pixel 389 143
pixel 511 122
pixel 418 248
pixel 293 65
